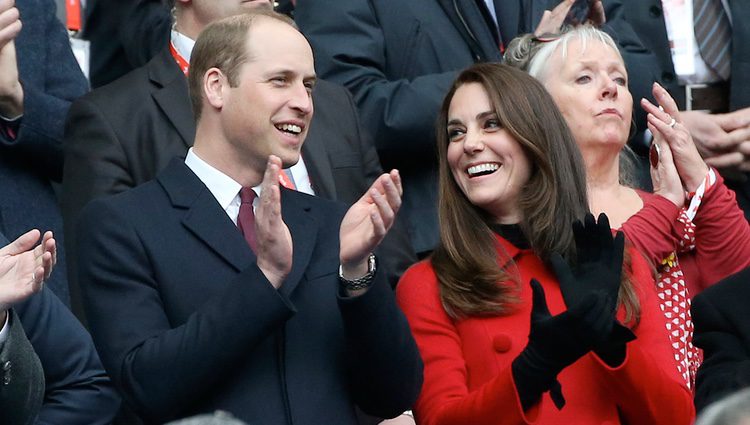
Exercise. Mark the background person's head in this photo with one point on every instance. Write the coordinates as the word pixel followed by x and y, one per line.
pixel 584 72
pixel 251 79
pixel 191 16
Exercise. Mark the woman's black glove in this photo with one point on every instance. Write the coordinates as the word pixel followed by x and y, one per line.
pixel 556 342
pixel 598 269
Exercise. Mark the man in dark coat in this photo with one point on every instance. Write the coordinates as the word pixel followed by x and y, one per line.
pixel 283 317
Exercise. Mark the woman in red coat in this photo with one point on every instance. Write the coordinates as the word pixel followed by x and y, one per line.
pixel 583 343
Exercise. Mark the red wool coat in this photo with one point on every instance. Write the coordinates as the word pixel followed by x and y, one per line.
pixel 467 363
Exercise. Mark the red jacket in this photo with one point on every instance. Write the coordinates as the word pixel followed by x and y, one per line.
pixel 467 363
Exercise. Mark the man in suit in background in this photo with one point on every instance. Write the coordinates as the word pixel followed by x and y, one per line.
pixel 123 134
pixel 716 87
pixel 188 318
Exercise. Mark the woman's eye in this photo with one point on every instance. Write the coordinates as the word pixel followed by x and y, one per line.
pixel 454 134
pixel 621 81
pixel 492 123
pixel 583 79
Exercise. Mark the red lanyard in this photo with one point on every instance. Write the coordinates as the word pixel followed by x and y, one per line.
pixel 181 62
pixel 73 12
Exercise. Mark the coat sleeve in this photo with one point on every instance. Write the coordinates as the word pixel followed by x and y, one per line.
pixel 183 357
pixel 722 242
pixel 652 229
pixel 78 390
pixel 726 355
pixel 386 368
pixel 51 79
pixel 647 384
pixel 445 397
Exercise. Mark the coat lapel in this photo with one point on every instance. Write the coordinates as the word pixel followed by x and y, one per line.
pixel 205 218
pixel 171 94
pixel 468 20
pixel 296 211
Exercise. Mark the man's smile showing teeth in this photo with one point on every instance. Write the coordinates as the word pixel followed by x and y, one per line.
pixel 482 169
pixel 289 128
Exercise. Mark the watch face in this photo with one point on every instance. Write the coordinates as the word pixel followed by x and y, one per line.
pixel 654 153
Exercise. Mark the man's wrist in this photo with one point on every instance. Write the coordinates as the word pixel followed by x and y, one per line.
pixel 358 276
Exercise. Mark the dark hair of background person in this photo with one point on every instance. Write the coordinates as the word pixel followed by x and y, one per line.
pixel 223 45
pixel 465 259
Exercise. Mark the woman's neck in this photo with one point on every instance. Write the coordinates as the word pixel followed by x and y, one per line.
pixel 606 194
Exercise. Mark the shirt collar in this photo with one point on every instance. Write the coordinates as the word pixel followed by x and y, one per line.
pixel 183 44
pixel 224 188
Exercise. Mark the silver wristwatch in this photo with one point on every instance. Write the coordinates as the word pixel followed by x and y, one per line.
pixel 360 282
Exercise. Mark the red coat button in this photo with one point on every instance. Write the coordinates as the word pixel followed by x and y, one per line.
pixel 501 343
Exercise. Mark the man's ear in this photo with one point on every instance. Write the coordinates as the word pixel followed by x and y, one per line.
pixel 214 83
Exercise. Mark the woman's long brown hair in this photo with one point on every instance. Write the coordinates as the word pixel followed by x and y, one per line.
pixel 466 263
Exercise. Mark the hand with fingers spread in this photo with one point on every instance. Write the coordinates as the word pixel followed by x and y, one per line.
pixel 11 92
pixel 666 124
pixel 367 221
pixel 598 270
pixel 274 242
pixel 23 267
pixel 556 342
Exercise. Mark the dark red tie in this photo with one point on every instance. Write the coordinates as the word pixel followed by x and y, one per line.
pixel 246 217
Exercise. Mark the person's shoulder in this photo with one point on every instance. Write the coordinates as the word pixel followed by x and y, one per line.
pixel 730 290
pixel 419 278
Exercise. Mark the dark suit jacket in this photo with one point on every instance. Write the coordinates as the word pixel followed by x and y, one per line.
pixel 77 389
pixel 51 79
pixel 123 134
pixel 21 376
pixel 398 58
pixel 722 329
pixel 647 18
pixel 124 35
pixel 186 322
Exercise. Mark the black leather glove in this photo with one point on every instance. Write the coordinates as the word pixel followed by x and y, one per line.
pixel 598 269
pixel 556 342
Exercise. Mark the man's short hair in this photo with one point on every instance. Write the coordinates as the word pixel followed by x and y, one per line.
pixel 223 45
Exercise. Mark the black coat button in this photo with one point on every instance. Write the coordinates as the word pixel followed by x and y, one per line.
pixel 655 11
pixel 667 77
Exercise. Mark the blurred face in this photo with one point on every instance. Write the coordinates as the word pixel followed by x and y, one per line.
pixel 591 89
pixel 269 112
pixel 208 11
pixel 487 163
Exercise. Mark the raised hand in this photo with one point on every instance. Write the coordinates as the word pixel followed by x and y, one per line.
pixel 367 222
pixel 598 269
pixel 24 267
pixel 11 91
pixel 274 242
pixel 556 342
pixel 666 124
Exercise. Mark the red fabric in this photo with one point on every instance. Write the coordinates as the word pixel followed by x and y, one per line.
pixel 246 217
pixel 718 240
pixel 722 243
pixel 468 378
